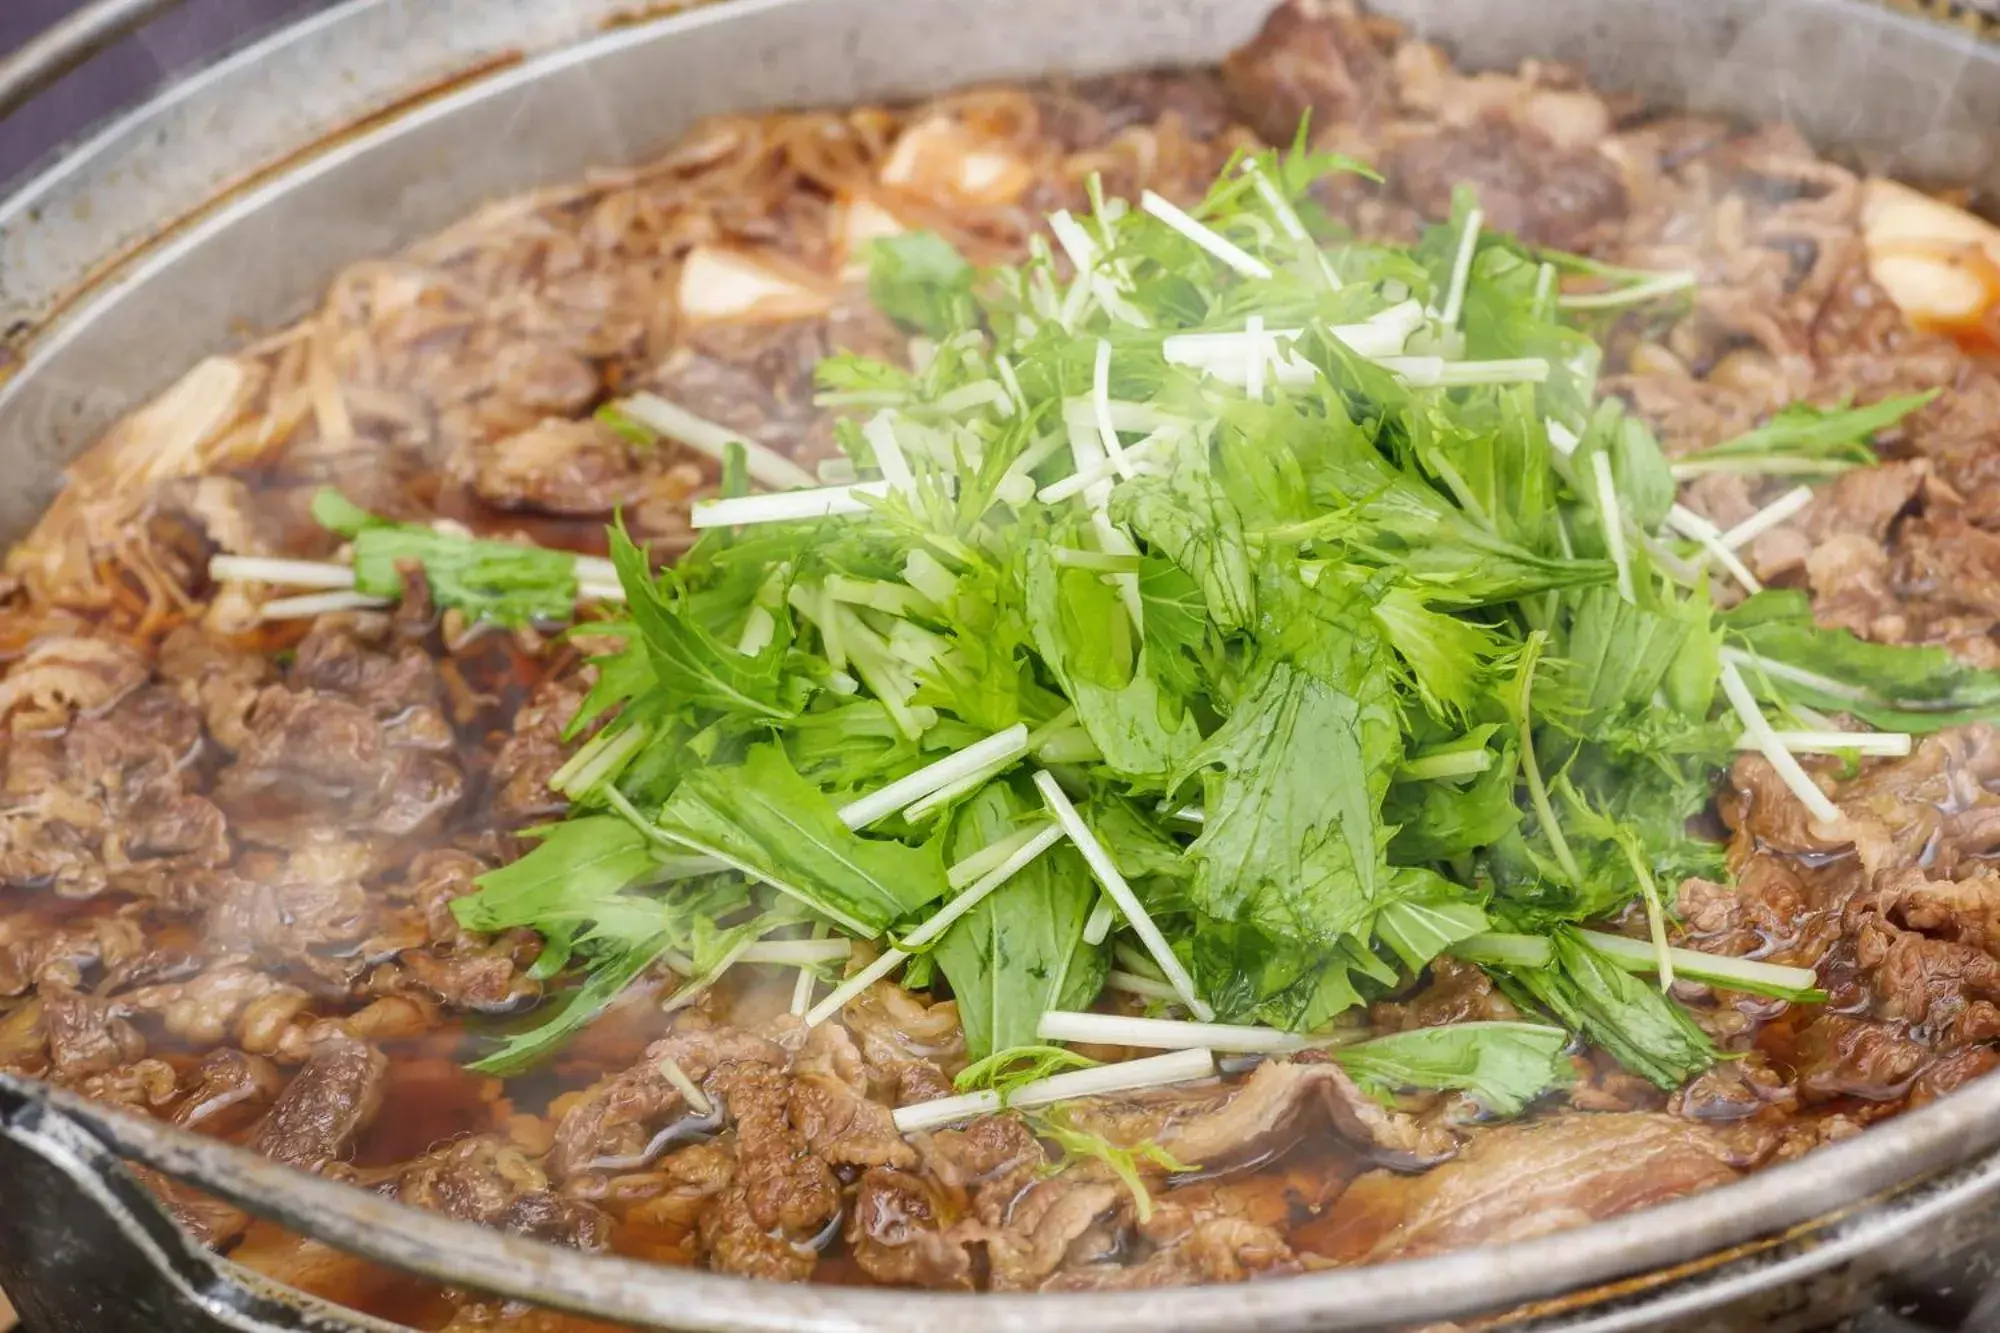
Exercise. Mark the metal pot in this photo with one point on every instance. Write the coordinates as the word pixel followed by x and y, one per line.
pixel 230 202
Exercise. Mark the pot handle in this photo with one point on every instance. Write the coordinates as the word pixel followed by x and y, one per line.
pixel 69 43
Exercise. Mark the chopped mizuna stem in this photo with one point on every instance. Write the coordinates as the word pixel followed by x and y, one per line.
pixel 1072 745
pixel 798 953
pixel 1167 1034
pixel 1461 270
pixel 283 573
pixel 1001 747
pixel 606 761
pixel 596 569
pixel 788 507
pixel 319 604
pixel 1144 987
pixel 1815 801
pixel 558 781
pixel 1745 974
pixel 928 575
pixel 1099 924
pixel 802 989
pixel 951 791
pixel 1656 915
pixel 1690 524
pixel 1079 482
pixel 880 432
pixel 1502 949
pixel 1770 516
pixel 1153 1072
pixel 890 598
pixel 1075 242
pixel 1070 557
pixel 1115 542
pixel 1008 378
pixel 1191 814
pixel 768 467
pixel 758 627
pixel 697 1100
pixel 936 926
pixel 1101 865
pixel 836 471
pixel 986 393
pixel 1894 744
pixel 981 863
pixel 1253 358
pixel 589 590
pixel 1288 219
pixel 674 869
pixel 1100 400
pixel 1531 768
pixel 1763 465
pixel 1134 961
pixel 1453 764
pixel 1430 372
pixel 1545 286
pixel 696 987
pixel 1797 675
pixel 1614 523
pixel 1080 415
pixel 1664 284
pixel 1208 239
pixel 1677 569
pixel 1562 437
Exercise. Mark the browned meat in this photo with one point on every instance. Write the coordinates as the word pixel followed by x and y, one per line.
pixel 399 684
pixel 1321 58
pixel 1514 1182
pixel 612 1126
pixel 230 1090
pixel 87 1035
pixel 211 1221
pixel 1044 1223
pixel 1221 1249
pixel 896 1235
pixel 561 467
pixel 1454 993
pixel 1565 198
pixel 533 751
pixel 1216 1125
pixel 62 678
pixel 222 685
pixel 830 1106
pixel 487 1180
pixel 326 1106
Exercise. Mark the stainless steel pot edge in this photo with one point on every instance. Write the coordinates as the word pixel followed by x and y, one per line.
pixel 1469 1282
pixel 1888 1155
pixel 68 43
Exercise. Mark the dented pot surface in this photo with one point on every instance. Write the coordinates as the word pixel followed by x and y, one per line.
pixel 226 206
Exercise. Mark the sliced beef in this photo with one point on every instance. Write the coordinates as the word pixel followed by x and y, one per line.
pixel 783 1204
pixel 1322 58
pixel 534 750
pixel 332 1098
pixel 59 679
pixel 1514 1182
pixel 1215 1125
pixel 221 684
pixel 896 1233
pixel 87 1035
pixel 229 1090
pixel 490 1181
pixel 562 467
pixel 1565 198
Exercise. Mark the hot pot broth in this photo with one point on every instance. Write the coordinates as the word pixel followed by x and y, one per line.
pixel 238 821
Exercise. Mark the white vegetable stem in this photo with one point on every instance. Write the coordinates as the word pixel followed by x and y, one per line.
pixel 1208 239
pixel 1461 270
pixel 880 432
pixel 1101 865
pixel 982 862
pixel 283 573
pixel 1892 743
pixel 1000 748
pixel 1134 984
pixel 1816 802
pixel 1153 1072
pixel 319 604
pixel 790 507
pixel 1797 675
pixel 1692 525
pixel 1167 1034
pixel 1662 284
pixel 1614 522
pixel 1713 969
pixel 802 989
pixel 934 927
pixel 767 467
pixel 1770 516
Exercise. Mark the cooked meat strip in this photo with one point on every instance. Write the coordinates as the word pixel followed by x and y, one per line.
pixel 896 1233
pixel 1223 1123
pixel 332 1098
pixel 1513 1182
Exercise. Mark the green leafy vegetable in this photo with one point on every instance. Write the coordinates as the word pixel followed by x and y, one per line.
pixel 1504 1065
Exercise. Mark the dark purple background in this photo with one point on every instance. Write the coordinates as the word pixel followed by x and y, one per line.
pixel 125 74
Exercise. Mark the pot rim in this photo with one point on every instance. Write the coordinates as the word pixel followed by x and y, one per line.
pixel 1908 1148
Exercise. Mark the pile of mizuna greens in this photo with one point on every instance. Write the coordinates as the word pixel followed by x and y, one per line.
pixel 1224 611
